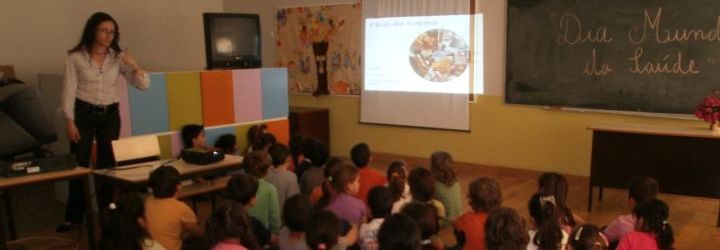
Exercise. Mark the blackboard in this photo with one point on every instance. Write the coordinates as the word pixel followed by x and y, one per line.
pixel 629 55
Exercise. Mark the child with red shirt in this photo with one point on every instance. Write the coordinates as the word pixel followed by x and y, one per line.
pixel 369 177
pixel 485 195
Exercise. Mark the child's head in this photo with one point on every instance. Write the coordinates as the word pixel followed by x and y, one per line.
pixel 425 216
pixel 588 237
pixel 263 142
pixel 257 163
pixel 193 136
pixel 652 217
pixel 422 184
pixel 316 151
pixel 254 133
pixel 122 223
pixel 279 154
pixel 296 212
pixel 441 165
pixel 556 185
pixel 505 230
pixel 360 154
pixel 380 202
pixel 242 188
pixel 164 181
pixel 642 189
pixel 397 177
pixel 230 221
pixel 333 161
pixel 484 194
pixel 323 230
pixel 345 180
pixel 553 184
pixel 227 143
pixel 341 179
pixel 546 217
pixel 399 232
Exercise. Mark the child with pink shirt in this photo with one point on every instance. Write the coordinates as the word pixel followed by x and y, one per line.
pixel 652 230
pixel 641 189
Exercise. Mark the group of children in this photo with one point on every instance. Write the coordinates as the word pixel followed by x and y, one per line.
pixel 299 197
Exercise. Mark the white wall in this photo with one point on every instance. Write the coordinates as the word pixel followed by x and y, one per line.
pixel 162 35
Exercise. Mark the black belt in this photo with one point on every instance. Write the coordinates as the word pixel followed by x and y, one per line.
pixel 96 109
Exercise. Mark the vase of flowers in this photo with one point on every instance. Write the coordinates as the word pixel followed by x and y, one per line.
pixel 709 110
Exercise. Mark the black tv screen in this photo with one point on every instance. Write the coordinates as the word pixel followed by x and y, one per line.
pixel 232 40
pixel 24 125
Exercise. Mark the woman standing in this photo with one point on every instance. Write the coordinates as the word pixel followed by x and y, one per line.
pixel 90 103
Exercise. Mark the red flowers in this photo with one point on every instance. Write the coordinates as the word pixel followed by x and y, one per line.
pixel 709 109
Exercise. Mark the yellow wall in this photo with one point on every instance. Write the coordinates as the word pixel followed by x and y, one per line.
pixel 503 135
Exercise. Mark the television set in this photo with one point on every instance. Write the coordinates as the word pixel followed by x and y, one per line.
pixel 24 125
pixel 232 40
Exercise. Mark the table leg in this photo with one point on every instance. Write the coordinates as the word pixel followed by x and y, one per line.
pixel 590 197
pixel 90 216
pixel 7 202
pixel 213 201
pixel 717 224
pixel 3 240
pixel 600 193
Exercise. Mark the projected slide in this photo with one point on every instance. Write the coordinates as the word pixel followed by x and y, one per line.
pixel 418 54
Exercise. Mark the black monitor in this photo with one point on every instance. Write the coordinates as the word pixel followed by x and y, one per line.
pixel 232 40
pixel 24 124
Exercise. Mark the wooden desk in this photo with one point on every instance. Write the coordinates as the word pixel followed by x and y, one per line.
pixel 6 184
pixel 310 122
pixel 684 160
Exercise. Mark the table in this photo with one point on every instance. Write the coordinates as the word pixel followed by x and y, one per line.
pixel 6 184
pixel 684 160
pixel 137 175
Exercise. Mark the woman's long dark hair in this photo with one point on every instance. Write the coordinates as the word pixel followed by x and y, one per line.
pixel 87 40
pixel 547 222
pixel 654 214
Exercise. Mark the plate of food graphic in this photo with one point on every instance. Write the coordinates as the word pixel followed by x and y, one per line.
pixel 439 55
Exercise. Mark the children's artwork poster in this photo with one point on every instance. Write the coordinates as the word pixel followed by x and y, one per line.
pixel 320 46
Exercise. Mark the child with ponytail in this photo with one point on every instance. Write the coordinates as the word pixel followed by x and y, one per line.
pixel 556 185
pixel 588 237
pixel 548 234
pixel 397 183
pixel 229 228
pixel 652 230
pixel 338 191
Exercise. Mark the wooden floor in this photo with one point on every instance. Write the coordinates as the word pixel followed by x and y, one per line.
pixel 693 219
